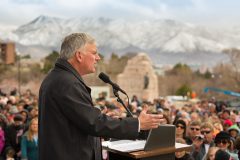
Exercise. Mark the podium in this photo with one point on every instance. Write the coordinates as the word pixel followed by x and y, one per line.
pixel 167 153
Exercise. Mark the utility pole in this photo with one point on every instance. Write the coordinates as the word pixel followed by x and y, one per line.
pixel 19 74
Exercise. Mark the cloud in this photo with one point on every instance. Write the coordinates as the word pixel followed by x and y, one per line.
pixel 23 2
pixel 196 11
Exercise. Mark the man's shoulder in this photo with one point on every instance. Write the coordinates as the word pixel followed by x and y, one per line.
pixel 60 76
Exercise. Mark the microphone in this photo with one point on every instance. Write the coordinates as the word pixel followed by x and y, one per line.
pixel 106 79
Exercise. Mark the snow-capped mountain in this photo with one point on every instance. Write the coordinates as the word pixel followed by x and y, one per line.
pixel 121 36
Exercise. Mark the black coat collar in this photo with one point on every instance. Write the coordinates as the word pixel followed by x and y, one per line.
pixel 64 64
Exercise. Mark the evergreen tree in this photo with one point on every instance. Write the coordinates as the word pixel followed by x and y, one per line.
pixel 49 61
pixel 184 90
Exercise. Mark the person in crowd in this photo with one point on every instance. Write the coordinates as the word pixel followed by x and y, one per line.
pixel 211 153
pixel 33 112
pixel 24 114
pixel 226 114
pixel 20 106
pixel 185 116
pixel 222 140
pixel 29 145
pixel 214 119
pixel 135 99
pixel 182 155
pixel 212 109
pixel 133 108
pixel 234 131
pixel 194 130
pixel 3 125
pixel 13 136
pixel 218 127
pixel 200 148
pixel 233 117
pixel 12 110
pixel 237 146
pixel 166 119
pixel 181 129
pixel 101 97
pixel 222 155
pixel 194 116
pixel 231 147
pixel 10 154
pixel 226 124
pixel 70 126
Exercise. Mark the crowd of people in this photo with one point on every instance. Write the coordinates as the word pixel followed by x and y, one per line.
pixel 212 128
pixel 18 125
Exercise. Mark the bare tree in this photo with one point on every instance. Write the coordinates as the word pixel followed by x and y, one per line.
pixel 234 55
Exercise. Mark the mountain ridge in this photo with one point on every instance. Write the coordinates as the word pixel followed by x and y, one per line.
pixel 156 37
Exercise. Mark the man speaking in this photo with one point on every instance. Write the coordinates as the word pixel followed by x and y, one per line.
pixel 70 126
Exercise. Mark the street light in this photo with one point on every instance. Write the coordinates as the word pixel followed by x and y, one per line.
pixel 19 72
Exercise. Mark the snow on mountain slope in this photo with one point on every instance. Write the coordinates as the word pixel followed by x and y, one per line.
pixel 119 35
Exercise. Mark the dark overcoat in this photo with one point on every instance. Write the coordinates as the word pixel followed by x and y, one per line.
pixel 70 126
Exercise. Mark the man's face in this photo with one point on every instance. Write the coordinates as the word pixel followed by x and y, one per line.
pixel 194 131
pixel 18 123
pixel 90 58
pixel 208 135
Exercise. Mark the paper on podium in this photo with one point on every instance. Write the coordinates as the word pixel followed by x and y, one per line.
pixel 130 145
pixel 161 137
pixel 180 145
pixel 125 145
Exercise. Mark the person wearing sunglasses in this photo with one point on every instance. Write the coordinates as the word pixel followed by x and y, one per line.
pixel 200 148
pixel 180 128
pixel 193 131
pixel 222 140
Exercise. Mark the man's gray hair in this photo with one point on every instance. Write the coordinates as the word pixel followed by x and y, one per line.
pixel 73 42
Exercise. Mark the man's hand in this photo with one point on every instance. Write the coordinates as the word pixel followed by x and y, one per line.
pixel 149 121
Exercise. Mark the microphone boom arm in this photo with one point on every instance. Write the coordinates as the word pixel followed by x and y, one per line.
pixel 115 92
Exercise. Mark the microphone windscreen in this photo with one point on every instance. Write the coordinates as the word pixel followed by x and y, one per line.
pixel 104 77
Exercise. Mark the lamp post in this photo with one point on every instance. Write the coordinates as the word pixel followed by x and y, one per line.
pixel 19 73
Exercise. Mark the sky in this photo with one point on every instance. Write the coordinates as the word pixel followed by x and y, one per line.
pixel 216 13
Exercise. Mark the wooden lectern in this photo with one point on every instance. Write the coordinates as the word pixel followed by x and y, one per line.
pixel 157 154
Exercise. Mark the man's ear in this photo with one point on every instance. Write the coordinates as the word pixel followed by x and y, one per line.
pixel 78 56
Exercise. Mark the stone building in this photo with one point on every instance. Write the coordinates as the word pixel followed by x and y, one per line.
pixel 139 78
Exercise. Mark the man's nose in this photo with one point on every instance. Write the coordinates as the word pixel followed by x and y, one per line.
pixel 98 57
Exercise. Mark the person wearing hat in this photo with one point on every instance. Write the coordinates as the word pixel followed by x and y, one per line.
pixel 226 124
pixel 233 131
pixel 222 140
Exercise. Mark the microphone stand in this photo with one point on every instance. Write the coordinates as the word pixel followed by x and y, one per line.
pixel 115 92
